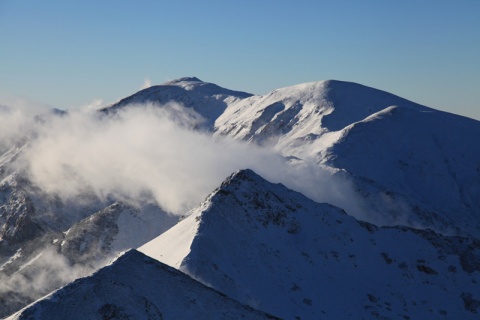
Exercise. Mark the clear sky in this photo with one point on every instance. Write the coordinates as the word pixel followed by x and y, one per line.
pixel 70 53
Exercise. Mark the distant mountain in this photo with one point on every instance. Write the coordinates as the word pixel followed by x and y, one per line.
pixel 278 251
pixel 206 99
pixel 296 115
pixel 137 287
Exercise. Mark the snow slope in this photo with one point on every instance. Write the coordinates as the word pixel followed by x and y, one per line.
pixel 295 116
pixel 424 165
pixel 274 249
pixel 137 287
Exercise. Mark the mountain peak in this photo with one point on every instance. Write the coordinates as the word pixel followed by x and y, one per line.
pixel 183 79
pixel 242 175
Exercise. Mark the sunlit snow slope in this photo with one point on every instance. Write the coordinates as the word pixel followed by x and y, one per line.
pixel 267 246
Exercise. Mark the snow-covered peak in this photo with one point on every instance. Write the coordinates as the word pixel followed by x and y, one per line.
pixel 274 249
pixel 137 287
pixel 206 99
pixel 291 118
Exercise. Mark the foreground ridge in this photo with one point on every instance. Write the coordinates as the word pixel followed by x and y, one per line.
pixel 265 245
pixel 138 287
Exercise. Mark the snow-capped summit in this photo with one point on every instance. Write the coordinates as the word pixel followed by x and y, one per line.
pixel 182 80
pixel 272 248
pixel 304 112
pixel 207 99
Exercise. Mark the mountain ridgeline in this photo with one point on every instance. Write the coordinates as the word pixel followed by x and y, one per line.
pixel 412 165
pixel 407 245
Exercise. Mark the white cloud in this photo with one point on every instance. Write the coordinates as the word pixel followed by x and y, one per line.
pixel 95 104
pixel 151 154
pixel 147 83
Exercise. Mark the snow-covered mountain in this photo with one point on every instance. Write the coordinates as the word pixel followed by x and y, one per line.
pixel 410 165
pixel 54 259
pixel 412 168
pixel 294 116
pixel 206 99
pixel 138 287
pixel 274 249
pixel 413 165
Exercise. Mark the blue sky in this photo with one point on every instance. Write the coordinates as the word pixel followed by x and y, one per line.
pixel 69 53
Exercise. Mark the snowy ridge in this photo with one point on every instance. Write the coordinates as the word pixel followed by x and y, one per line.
pixel 137 287
pixel 274 249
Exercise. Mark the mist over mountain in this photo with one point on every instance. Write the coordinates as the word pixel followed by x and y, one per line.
pixel 409 164
pixel 385 187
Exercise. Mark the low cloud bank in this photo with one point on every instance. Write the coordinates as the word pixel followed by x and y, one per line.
pixel 152 153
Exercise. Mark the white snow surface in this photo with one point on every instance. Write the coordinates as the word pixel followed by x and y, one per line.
pixel 137 287
pixel 274 249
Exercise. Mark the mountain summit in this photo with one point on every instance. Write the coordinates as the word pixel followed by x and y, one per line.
pixel 206 99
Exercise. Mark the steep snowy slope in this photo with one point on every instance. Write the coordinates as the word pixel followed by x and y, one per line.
pixel 207 99
pixel 274 249
pixel 424 165
pixel 293 117
pixel 138 287
pixel 54 259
